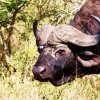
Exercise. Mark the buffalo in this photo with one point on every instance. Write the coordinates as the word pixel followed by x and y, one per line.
pixel 67 51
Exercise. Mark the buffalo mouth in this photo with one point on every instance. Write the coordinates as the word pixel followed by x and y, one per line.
pixel 59 79
pixel 56 82
pixel 41 79
pixel 62 80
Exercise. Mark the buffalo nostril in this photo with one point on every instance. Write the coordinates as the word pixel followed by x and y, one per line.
pixel 42 70
pixel 38 71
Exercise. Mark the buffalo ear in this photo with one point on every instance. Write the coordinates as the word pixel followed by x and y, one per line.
pixel 88 59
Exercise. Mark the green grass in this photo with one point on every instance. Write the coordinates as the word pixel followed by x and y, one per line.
pixel 20 85
pixel 86 88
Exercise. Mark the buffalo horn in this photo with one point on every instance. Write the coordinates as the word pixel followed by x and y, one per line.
pixel 67 33
pixel 35 30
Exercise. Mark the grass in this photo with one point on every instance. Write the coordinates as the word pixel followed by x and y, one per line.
pixel 20 85
pixel 86 88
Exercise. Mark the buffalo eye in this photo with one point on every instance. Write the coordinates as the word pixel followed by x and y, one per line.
pixel 40 49
pixel 60 52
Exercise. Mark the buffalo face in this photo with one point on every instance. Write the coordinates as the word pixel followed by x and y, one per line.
pixel 51 65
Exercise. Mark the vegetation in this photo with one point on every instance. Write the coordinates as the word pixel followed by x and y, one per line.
pixel 18 52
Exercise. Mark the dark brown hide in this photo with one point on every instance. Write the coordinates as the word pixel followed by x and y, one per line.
pixel 83 20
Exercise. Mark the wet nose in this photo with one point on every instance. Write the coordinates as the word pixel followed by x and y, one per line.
pixel 39 70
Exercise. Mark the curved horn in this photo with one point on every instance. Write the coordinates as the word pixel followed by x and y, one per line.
pixel 96 18
pixel 35 30
pixel 67 33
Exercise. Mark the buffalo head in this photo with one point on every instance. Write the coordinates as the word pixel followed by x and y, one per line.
pixel 61 48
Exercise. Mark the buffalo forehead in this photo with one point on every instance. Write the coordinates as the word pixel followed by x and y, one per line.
pixel 44 34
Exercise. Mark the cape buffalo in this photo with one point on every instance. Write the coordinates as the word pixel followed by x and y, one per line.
pixel 67 51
